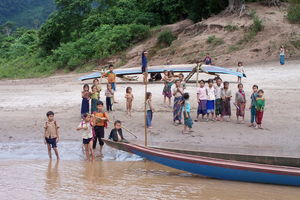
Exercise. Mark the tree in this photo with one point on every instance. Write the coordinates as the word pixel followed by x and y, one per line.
pixel 7 28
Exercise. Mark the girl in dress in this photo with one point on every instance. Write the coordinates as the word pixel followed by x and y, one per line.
pixel 168 82
pixel 85 94
pixel 95 98
pixel 177 108
pixel 240 102
pixel 129 99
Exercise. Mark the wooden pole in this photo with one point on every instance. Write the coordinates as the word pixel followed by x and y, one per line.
pixel 197 75
pixel 145 112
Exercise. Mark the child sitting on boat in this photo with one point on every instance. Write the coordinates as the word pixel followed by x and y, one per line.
pixel 116 134
pixel 51 134
pixel 86 128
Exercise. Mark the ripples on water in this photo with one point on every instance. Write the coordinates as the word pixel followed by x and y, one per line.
pixel 26 173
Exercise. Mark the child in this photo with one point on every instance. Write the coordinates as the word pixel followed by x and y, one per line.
pixel 168 82
pixel 95 98
pixel 129 99
pixel 211 96
pixel 100 120
pixel 109 93
pixel 177 108
pixel 51 134
pixel 226 97
pixel 207 60
pixel 252 105
pixel 97 84
pixel 188 122
pixel 260 106
pixel 240 69
pixel 111 79
pixel 145 66
pixel 183 83
pixel 240 102
pixel 87 136
pixel 202 100
pixel 218 107
pixel 149 109
pixel 116 133
pixel 85 105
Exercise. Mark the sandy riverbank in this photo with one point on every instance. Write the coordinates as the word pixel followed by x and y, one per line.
pixel 23 104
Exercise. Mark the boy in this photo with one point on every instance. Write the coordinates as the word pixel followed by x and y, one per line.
pixel 202 100
pixel 188 122
pixel 116 133
pixel 218 107
pixel 253 104
pixel 260 106
pixel 99 121
pixel 111 79
pixel 51 134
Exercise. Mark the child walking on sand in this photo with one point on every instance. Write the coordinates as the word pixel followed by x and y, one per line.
pixel 129 99
pixel 202 100
pixel 240 69
pixel 95 98
pixel 149 109
pixel 218 106
pixel 211 96
pixel 109 93
pixel 87 136
pixel 177 108
pixel 226 97
pixel 51 134
pixel 240 102
pixel 253 105
pixel 260 106
pixel 100 120
pixel 188 122
pixel 85 94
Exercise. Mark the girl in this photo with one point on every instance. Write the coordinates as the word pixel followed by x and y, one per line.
pixel 87 136
pixel 218 107
pixel 226 97
pixel 168 82
pixel 98 86
pixel 211 97
pixel 202 100
pixel 252 105
pixel 181 79
pixel 129 99
pixel 95 98
pixel 188 122
pixel 260 106
pixel 149 109
pixel 177 108
pixel 85 94
pixel 145 66
pixel 281 54
pixel 109 93
pixel 240 69
pixel 240 102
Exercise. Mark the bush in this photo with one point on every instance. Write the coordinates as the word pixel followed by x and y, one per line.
pixel 213 40
pixel 231 28
pixel 293 14
pixel 166 38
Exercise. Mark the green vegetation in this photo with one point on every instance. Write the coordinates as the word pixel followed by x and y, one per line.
pixel 215 41
pixel 231 28
pixel 293 14
pixel 256 27
pixel 165 38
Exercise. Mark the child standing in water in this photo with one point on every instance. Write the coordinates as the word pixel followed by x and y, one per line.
pixel 177 108
pixel 252 105
pixel 240 102
pixel 240 69
pixel 226 97
pixel 109 93
pixel 87 136
pixel 95 98
pixel 188 122
pixel 218 106
pixel 51 134
pixel 85 105
pixel 211 96
pixel 129 99
pixel 149 109
pixel 202 100
pixel 100 120
pixel 260 106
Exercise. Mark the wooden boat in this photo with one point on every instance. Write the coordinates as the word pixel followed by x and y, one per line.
pixel 213 70
pixel 216 168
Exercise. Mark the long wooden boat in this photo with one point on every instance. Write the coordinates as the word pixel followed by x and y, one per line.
pixel 216 168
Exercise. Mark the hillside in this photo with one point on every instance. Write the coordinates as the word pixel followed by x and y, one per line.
pixel 191 43
pixel 26 13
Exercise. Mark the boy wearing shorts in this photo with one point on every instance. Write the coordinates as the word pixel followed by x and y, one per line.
pixel 51 134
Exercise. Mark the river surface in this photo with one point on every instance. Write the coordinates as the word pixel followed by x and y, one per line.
pixel 26 173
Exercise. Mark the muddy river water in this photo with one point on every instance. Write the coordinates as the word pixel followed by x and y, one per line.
pixel 26 173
